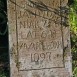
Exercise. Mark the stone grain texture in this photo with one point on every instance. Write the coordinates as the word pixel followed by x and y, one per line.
pixel 39 38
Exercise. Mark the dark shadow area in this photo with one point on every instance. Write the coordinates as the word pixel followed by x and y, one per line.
pixel 4 47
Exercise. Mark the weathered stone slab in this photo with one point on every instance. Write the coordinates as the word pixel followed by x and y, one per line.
pixel 39 38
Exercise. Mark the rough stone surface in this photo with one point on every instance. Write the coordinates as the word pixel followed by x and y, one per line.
pixel 39 38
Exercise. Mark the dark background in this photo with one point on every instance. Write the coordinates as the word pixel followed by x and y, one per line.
pixel 4 52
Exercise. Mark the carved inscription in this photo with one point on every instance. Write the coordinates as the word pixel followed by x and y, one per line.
pixel 42 56
pixel 37 46
pixel 39 35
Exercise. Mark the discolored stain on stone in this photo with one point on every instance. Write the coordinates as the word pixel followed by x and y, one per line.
pixel 36 75
pixel 38 34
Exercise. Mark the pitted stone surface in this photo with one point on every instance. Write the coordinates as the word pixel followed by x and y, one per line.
pixel 39 38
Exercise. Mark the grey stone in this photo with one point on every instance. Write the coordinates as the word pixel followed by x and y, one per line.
pixel 39 38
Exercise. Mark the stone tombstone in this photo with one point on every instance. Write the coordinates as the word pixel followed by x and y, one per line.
pixel 39 38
